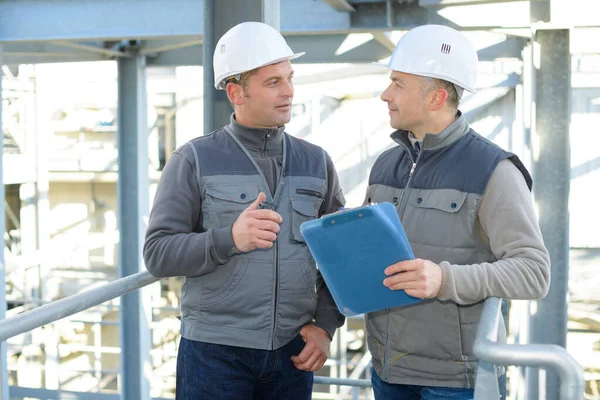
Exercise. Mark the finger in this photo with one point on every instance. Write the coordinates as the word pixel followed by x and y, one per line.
pixel 309 364
pixel 412 276
pixel 408 286
pixel 318 364
pixel 304 354
pixel 321 362
pixel 254 206
pixel 269 215
pixel 401 266
pixel 265 235
pixel 267 225
pixel 263 244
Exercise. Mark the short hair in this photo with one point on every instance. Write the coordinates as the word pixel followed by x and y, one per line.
pixel 454 92
pixel 241 79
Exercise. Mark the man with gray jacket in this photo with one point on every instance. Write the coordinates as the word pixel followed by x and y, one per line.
pixel 466 207
pixel 257 318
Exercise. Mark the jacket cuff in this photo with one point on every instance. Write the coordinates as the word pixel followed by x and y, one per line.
pixel 223 244
pixel 448 288
pixel 329 321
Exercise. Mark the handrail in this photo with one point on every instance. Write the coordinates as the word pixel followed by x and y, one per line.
pixel 485 346
pixel 552 357
pixel 73 304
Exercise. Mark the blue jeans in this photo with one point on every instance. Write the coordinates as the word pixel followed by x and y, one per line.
pixel 387 391
pixel 214 372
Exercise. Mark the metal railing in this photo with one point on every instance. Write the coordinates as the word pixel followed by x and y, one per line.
pixel 73 304
pixel 490 350
pixel 489 346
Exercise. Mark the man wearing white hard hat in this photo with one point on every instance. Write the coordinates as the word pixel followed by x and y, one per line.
pixel 256 316
pixel 467 210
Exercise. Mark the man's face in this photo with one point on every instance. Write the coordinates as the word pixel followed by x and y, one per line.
pixel 268 96
pixel 405 100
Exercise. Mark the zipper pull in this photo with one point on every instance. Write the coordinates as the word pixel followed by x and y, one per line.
pixel 412 170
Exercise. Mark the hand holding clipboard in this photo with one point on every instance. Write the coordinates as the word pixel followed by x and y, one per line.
pixel 352 249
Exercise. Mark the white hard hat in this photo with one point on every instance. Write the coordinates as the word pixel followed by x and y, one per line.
pixel 437 51
pixel 248 46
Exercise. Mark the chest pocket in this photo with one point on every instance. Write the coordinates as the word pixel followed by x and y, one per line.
pixel 305 204
pixel 440 217
pixel 224 203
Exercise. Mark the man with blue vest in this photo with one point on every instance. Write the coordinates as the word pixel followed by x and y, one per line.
pixel 466 207
pixel 257 318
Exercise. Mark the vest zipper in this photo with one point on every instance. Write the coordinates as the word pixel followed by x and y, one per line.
pixel 403 201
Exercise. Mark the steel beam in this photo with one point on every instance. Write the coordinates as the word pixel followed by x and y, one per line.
pixel 448 3
pixel 385 39
pixel 551 188
pixel 132 194
pixel 79 20
pixel 322 49
pixel 340 5
pixel 92 20
pixel 90 48
pixel 153 47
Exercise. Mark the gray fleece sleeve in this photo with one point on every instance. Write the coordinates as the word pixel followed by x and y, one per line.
pixel 173 245
pixel 509 223
pixel 327 315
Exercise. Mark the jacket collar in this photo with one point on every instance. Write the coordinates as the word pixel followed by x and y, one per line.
pixel 257 138
pixel 448 136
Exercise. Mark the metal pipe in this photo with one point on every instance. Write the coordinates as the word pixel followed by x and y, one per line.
pixel 551 357
pixel 208 49
pixel 325 380
pixel 73 304
pixel 389 12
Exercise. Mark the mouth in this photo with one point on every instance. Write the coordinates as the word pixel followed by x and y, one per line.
pixel 390 111
pixel 284 107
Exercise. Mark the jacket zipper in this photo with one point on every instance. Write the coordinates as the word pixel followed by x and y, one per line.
pixel 274 200
pixel 278 192
pixel 267 140
pixel 403 202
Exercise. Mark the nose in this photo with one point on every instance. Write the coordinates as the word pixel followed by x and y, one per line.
pixel 385 96
pixel 288 89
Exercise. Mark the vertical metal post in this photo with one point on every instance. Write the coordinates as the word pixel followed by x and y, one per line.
pixel 219 17
pixel 3 360
pixel 132 196
pixel 42 113
pixel 208 48
pixel 552 182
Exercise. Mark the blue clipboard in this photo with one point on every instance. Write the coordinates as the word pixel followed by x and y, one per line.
pixel 352 248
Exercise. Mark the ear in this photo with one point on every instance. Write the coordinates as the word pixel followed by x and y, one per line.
pixel 235 93
pixel 438 99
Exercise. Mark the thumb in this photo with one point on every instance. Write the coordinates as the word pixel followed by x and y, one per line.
pixel 254 206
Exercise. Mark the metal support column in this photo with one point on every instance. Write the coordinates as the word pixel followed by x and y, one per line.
pixel 551 186
pixel 132 194
pixel 3 360
pixel 219 17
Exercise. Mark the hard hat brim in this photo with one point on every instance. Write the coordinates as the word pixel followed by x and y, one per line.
pixel 277 60
pixel 429 75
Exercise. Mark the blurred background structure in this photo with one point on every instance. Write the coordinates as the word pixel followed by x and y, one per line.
pixel 96 94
